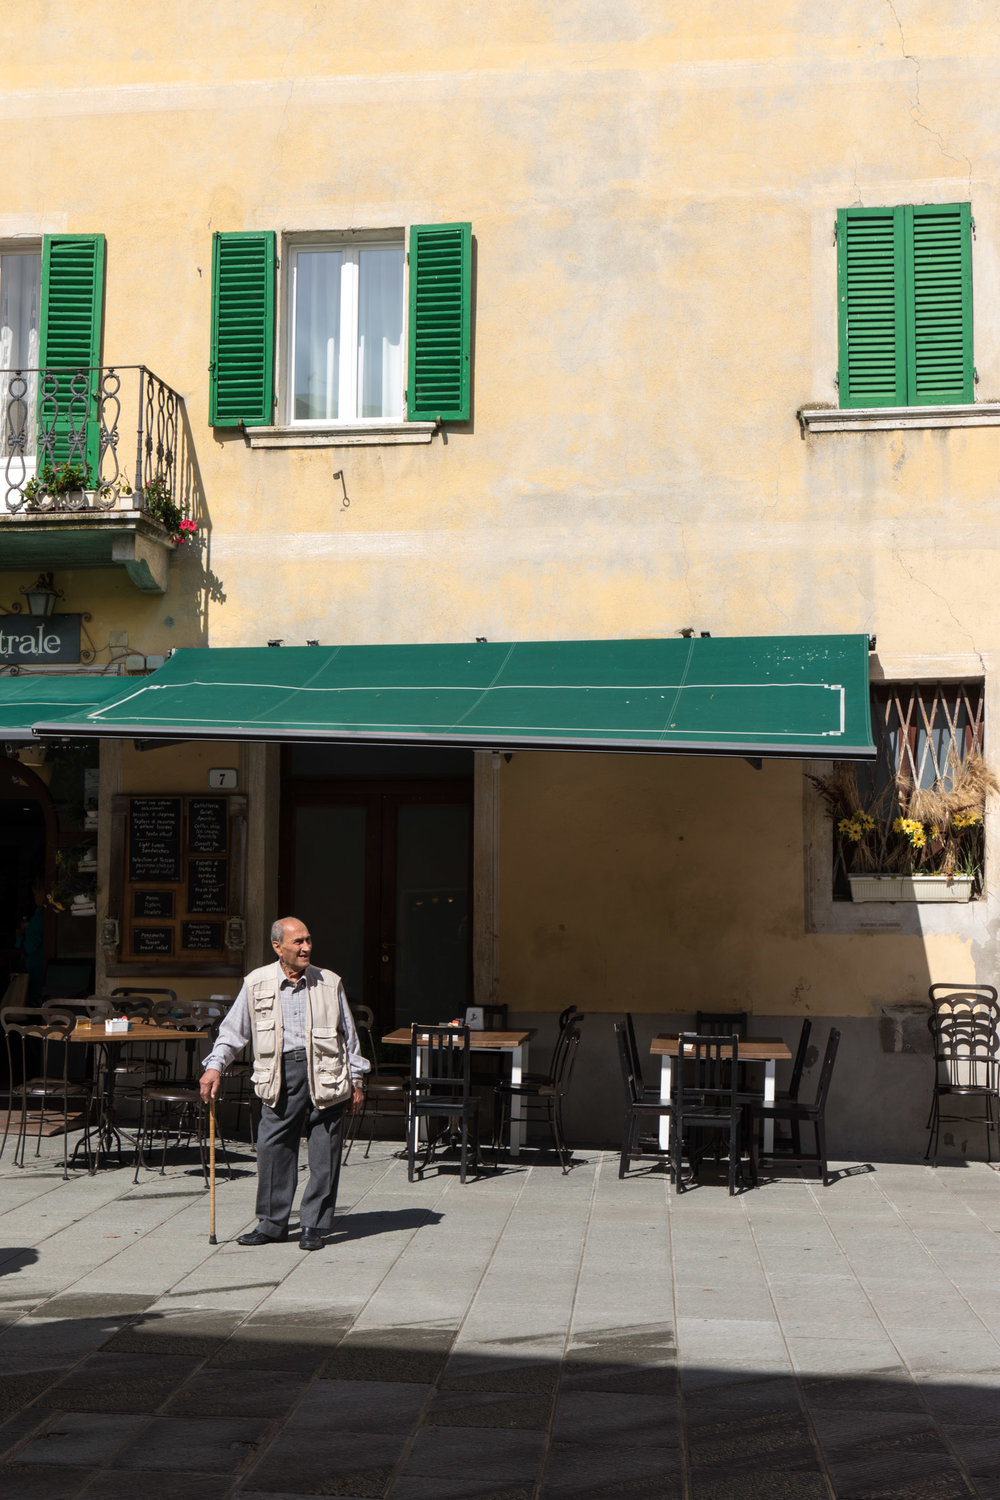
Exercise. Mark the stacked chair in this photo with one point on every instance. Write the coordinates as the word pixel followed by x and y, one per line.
pixel 965 1033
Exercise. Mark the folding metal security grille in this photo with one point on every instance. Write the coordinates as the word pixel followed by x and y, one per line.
pixel 923 731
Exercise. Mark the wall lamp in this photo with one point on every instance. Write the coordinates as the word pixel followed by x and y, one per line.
pixel 42 596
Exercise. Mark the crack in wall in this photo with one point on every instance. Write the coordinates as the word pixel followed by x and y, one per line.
pixel 911 574
pixel 916 108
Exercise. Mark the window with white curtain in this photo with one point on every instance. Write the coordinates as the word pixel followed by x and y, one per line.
pixel 20 308
pixel 344 330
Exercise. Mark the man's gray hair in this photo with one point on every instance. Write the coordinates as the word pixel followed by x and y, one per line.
pixel 278 930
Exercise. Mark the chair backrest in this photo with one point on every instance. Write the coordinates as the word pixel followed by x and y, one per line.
pixel 721 1023
pixel 965 1001
pixel 439 1061
pixel 795 1082
pixel 128 991
pixel 707 1067
pixel 826 1071
pixel 31 1024
pixel 965 1050
pixel 94 1008
pixel 569 1014
pixel 494 1018
pixel 364 1024
pixel 567 1060
pixel 573 1018
pixel 633 1048
pixel 625 1058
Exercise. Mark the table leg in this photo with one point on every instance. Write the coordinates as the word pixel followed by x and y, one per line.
pixel 518 1131
pixel 665 1077
pixel 770 1074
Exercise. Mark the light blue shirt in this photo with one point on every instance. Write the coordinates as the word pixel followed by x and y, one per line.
pixel 235 1032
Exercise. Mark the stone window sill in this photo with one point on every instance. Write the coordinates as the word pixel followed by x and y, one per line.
pixel 366 434
pixel 891 418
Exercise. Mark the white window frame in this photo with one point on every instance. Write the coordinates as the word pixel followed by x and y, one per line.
pixel 349 243
pixel 31 247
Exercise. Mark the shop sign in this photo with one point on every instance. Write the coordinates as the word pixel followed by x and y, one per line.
pixel 31 641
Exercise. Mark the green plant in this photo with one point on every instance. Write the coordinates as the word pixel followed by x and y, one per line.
pixel 70 880
pixel 57 479
pixel 158 502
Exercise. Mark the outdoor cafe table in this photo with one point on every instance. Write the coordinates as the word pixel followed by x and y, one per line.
pixel 140 1032
pixel 513 1042
pixel 770 1050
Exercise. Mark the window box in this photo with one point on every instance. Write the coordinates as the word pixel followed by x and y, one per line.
pixel 911 887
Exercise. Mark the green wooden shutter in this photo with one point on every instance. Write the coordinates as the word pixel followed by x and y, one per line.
pixel 440 316
pixel 241 387
pixel 872 307
pixel 70 348
pixel 939 303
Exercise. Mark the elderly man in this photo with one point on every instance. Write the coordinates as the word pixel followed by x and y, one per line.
pixel 308 1072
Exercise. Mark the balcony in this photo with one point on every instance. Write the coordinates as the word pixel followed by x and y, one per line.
pixel 79 493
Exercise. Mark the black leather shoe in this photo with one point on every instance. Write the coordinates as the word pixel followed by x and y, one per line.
pixel 310 1239
pixel 254 1237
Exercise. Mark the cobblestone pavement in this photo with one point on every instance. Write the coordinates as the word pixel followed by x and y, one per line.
pixel 527 1335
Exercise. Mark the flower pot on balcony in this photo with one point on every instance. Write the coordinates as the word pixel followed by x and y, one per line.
pixel 911 887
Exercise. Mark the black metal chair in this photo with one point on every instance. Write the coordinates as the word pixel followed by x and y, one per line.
pixel 175 1111
pixel 968 1002
pixel 541 1095
pixel 387 1086
pixel 38 1053
pixel 798 1114
pixel 440 1091
pixel 640 1106
pixel 707 1103
pixel 966 1067
pixel 722 1023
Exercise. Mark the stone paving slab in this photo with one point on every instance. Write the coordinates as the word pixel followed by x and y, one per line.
pixel 526 1336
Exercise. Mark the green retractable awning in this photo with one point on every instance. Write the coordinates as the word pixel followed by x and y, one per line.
pixel 25 700
pixel 746 695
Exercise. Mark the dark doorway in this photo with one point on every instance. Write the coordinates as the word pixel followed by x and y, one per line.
pixel 22 862
pixel 377 861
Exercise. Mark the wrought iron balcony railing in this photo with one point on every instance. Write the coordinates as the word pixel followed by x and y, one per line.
pixel 61 448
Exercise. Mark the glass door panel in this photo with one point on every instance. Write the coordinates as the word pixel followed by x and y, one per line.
pixel 329 888
pixel 432 970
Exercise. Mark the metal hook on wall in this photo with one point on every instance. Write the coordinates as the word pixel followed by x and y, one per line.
pixel 339 474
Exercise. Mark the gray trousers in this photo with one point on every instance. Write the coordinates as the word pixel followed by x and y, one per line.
pixel 281 1127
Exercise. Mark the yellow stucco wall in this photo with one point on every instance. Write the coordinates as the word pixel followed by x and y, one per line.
pixel 674 885
pixel 652 190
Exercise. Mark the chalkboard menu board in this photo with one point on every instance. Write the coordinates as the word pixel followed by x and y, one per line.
pixel 199 937
pixel 207 826
pixel 152 904
pixel 159 940
pixel 154 848
pixel 207 885
pixel 178 873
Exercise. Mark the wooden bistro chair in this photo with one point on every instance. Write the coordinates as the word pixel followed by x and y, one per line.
pixel 796 1115
pixel 41 1036
pixel 707 1104
pixel 641 1104
pixel 440 1089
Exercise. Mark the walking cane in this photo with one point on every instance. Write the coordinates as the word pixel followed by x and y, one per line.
pixel 211 1172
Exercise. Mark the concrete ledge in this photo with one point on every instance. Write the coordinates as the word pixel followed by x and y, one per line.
pixel 890 418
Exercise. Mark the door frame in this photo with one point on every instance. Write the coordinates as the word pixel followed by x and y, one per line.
pixel 380 858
